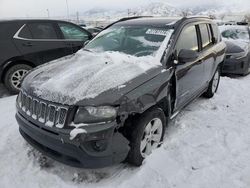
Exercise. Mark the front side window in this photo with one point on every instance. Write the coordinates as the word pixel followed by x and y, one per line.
pixel 132 40
pixel 188 40
pixel 72 32
pixel 42 31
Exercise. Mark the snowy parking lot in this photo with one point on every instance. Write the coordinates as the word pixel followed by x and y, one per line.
pixel 207 145
pixel 3 91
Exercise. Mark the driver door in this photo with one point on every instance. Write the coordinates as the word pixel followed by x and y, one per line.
pixel 189 75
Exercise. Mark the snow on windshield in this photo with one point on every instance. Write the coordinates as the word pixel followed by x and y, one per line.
pixel 133 40
pixel 86 75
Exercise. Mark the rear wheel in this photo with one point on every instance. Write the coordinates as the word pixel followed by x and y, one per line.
pixel 14 76
pixel 147 135
pixel 213 85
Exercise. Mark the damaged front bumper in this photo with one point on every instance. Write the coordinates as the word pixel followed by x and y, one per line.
pixel 101 145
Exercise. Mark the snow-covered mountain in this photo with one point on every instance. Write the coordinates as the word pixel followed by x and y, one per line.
pixel 156 9
pixel 165 9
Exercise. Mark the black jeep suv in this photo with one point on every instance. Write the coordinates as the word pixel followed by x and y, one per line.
pixel 25 44
pixel 113 99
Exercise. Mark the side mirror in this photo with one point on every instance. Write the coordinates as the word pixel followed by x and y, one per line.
pixel 187 56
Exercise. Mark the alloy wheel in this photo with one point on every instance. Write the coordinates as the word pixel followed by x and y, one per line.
pixel 151 137
pixel 17 77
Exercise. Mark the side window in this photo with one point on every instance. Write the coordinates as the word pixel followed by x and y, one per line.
pixel 72 32
pixel 209 33
pixel 25 33
pixel 216 32
pixel 42 31
pixel 188 39
pixel 205 35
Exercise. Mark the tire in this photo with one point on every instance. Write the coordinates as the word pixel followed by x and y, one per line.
pixel 213 85
pixel 14 76
pixel 247 69
pixel 153 116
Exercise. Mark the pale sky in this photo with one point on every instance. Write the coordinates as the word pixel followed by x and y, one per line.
pixel 38 8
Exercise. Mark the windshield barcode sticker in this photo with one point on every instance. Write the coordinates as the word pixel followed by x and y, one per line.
pixel 156 32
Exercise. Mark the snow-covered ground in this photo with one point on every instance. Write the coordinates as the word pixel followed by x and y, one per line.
pixel 3 91
pixel 207 145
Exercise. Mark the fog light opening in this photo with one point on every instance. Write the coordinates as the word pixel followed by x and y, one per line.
pixel 100 145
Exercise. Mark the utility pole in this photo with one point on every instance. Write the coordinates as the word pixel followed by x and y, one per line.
pixel 67 9
pixel 128 12
pixel 77 17
pixel 48 12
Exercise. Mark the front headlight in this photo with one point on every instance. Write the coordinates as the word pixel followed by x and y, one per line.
pixel 92 114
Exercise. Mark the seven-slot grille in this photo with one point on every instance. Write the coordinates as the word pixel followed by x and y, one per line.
pixel 48 114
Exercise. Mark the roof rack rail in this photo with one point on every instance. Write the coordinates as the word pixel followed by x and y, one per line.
pixel 202 16
pixel 127 18
pixel 133 17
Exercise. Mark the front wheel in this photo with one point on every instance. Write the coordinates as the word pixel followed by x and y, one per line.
pixel 147 135
pixel 213 85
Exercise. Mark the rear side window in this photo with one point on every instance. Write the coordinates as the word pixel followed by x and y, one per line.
pixel 42 31
pixel 216 33
pixel 72 32
pixel 205 35
pixel 188 39
pixel 25 33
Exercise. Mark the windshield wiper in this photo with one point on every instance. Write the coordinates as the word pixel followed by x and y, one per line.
pixel 86 50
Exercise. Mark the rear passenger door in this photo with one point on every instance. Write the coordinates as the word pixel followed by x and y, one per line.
pixel 39 42
pixel 208 53
pixel 74 36
pixel 190 75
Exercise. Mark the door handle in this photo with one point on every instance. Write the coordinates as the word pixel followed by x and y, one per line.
pixel 28 44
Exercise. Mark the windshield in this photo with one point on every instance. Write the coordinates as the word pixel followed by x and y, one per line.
pixel 137 41
pixel 236 33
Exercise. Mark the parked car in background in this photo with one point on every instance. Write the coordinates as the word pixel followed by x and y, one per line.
pixel 237 38
pixel 82 25
pixel 25 44
pixel 113 99
pixel 93 30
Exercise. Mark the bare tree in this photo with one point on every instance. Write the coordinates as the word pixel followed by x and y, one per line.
pixel 212 16
pixel 247 18
pixel 222 16
pixel 185 12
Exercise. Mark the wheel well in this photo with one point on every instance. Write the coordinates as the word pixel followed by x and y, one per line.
pixel 221 65
pixel 15 63
pixel 163 104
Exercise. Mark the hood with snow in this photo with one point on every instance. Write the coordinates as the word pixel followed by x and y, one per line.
pixel 88 78
pixel 236 46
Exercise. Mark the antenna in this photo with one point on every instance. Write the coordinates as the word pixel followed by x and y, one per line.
pixel 47 12
pixel 67 9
